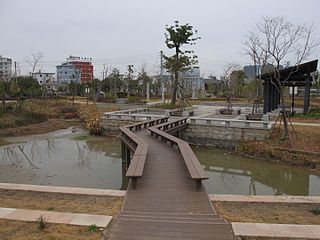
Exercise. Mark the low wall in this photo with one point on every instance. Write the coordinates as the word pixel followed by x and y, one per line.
pixel 222 136
pixel 112 125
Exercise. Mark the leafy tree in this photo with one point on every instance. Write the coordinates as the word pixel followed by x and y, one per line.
pixel 237 78
pixel 29 87
pixel 143 78
pixel 129 80
pixel 116 82
pixel 178 36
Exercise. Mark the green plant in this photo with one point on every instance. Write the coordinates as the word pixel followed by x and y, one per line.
pixel 42 222
pixel 50 209
pixel 315 211
pixel 92 228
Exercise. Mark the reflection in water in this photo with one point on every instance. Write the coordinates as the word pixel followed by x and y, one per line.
pixel 60 160
pixel 232 174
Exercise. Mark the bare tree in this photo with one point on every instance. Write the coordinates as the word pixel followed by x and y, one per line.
pixel 33 60
pixel 274 41
pixel 228 69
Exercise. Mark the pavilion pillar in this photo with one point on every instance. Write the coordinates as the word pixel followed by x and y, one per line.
pixel 272 97
pixel 266 96
pixel 306 95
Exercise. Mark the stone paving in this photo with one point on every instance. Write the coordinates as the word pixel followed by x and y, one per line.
pixel 67 190
pixel 55 217
pixel 276 230
pixel 264 198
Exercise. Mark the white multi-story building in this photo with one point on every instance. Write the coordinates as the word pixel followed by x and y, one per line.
pixel 44 78
pixel 192 82
pixel 5 68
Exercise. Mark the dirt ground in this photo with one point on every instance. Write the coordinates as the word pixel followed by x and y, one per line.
pixel 279 213
pixel 19 230
pixel 60 202
pixel 39 128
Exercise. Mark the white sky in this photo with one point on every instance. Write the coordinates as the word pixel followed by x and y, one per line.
pixel 122 32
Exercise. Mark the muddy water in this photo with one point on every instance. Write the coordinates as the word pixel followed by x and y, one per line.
pixel 63 158
pixel 232 174
pixel 72 158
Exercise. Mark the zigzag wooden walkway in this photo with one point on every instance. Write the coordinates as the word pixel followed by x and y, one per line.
pixel 165 204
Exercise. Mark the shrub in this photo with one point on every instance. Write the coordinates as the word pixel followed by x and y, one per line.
pixel 42 222
pixel 92 228
pixel 316 211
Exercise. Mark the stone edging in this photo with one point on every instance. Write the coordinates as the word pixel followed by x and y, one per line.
pixel 276 230
pixel 264 198
pixel 55 217
pixel 66 190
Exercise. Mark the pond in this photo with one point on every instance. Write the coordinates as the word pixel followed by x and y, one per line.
pixel 233 174
pixel 71 157
pixel 63 158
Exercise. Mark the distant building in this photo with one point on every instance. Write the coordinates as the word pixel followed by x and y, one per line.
pixel 253 71
pixel 44 78
pixel 84 66
pixel 66 73
pixel 76 69
pixel 5 68
pixel 192 81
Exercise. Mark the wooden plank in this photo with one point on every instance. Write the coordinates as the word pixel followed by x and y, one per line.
pixel 165 205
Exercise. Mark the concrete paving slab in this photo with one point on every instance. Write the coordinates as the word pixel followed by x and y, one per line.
pixel 276 230
pixel 55 217
pixel 87 220
pixel 5 211
pixel 66 190
pixel 264 198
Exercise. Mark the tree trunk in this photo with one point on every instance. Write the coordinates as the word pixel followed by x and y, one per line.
pixel 4 96
pixel 174 88
pixel 284 116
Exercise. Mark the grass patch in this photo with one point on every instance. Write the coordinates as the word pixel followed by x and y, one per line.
pixel 279 213
pixel 36 111
pixel 81 138
pixel 61 202
pixel 19 230
pixel 166 106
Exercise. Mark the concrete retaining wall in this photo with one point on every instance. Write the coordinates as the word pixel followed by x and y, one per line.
pixel 112 125
pixel 221 136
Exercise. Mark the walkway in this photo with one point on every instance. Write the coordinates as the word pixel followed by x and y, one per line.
pixel 165 205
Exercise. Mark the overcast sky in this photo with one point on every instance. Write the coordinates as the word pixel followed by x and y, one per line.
pixel 122 32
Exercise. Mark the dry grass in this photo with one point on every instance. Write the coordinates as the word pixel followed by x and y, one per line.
pixel 279 213
pixel 18 230
pixel 61 202
pixel 307 141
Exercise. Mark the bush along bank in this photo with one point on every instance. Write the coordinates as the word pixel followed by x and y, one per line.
pixel 304 152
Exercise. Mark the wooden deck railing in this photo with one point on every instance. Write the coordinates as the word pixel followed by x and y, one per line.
pixel 138 146
pixel 194 167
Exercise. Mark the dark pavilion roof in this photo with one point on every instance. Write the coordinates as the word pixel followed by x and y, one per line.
pixel 299 74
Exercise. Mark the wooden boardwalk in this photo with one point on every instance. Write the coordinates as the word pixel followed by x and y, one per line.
pixel 165 205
